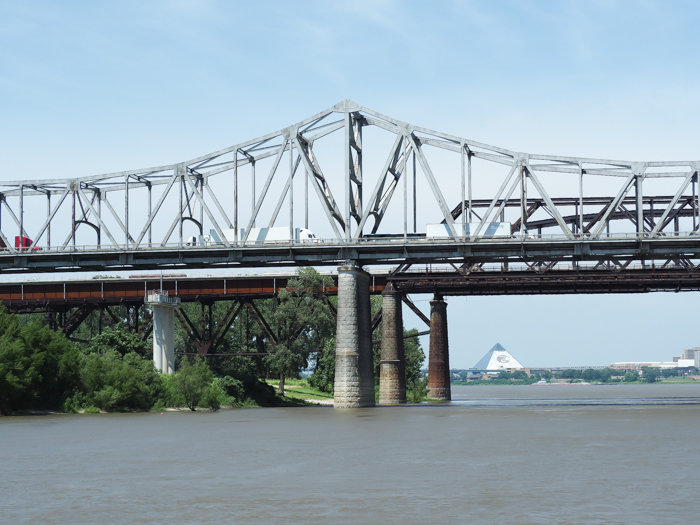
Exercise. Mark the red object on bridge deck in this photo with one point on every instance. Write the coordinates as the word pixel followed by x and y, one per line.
pixel 26 243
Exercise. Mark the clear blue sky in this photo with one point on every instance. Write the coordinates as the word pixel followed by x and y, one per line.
pixel 93 87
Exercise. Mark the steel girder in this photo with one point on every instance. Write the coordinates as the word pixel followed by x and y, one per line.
pixel 576 226
pixel 368 253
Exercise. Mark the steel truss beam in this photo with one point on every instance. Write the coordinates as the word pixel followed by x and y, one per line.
pixel 529 184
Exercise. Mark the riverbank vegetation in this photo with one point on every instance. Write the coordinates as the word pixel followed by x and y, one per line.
pixel 301 389
pixel 590 375
pixel 110 368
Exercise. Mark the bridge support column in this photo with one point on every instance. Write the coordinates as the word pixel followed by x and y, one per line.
pixel 439 355
pixel 392 367
pixel 354 376
pixel 163 330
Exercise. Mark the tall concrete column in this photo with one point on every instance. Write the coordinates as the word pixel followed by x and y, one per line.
pixel 439 357
pixel 392 367
pixel 354 377
pixel 163 330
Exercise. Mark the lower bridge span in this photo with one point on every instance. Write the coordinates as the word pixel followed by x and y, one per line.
pixel 34 297
pixel 67 304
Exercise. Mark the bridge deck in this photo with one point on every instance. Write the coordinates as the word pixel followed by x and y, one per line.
pixel 367 252
pixel 37 296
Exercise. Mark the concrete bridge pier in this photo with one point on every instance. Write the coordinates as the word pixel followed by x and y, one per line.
pixel 354 376
pixel 163 329
pixel 439 355
pixel 392 367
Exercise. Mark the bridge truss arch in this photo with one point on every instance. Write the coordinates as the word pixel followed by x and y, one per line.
pixel 369 186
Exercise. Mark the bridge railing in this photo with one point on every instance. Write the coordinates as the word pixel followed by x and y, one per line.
pixel 516 238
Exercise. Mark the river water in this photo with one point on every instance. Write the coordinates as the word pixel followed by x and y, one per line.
pixel 512 454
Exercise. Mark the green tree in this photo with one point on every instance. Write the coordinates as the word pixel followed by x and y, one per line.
pixel 631 376
pixel 38 367
pixel 569 374
pixel 193 381
pixel 416 384
pixel 303 322
pixel 651 375
pixel 18 373
pixel 230 387
pixel 58 363
pixel 170 395
pixel 590 375
pixel 114 382
pixel 324 371
pixel 213 396
pixel 120 340
pixel 604 375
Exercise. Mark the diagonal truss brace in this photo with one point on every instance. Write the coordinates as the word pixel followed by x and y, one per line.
pixel 324 193
pixel 660 224
pixel 157 208
pixel 447 214
pixel 266 187
pixel 206 210
pixel 379 200
pixel 49 219
pixel 496 198
pixel 615 204
pixel 97 217
pixel 552 209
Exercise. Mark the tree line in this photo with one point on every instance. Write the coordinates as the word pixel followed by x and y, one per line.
pixel 113 370
pixel 606 375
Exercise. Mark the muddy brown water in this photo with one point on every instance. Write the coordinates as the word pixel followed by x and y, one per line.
pixel 513 454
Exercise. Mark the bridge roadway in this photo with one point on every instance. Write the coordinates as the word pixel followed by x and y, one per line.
pixel 373 251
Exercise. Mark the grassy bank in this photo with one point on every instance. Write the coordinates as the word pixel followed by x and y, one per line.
pixel 299 389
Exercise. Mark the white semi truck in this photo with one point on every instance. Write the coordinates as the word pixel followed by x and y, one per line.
pixel 257 236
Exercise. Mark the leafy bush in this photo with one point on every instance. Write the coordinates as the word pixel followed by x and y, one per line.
pixel 170 394
pixel 324 374
pixel 118 339
pixel 416 384
pixel 38 367
pixel 212 397
pixel 222 391
pixel 631 376
pixel 112 382
pixel 651 375
pixel 193 381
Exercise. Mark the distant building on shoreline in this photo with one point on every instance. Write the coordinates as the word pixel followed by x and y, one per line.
pixel 690 358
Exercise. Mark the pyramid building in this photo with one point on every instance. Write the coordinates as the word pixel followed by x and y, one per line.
pixel 498 358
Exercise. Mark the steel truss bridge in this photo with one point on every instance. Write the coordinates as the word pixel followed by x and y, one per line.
pixel 367 185
pixel 69 303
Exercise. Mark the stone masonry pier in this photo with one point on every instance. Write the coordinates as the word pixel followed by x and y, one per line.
pixel 354 377
pixel 392 368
